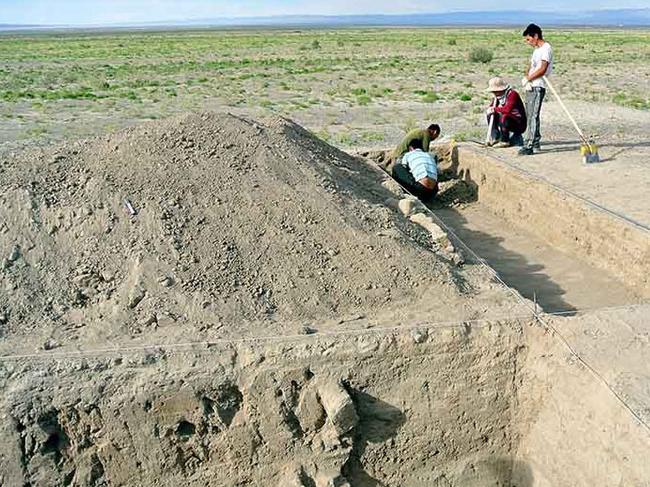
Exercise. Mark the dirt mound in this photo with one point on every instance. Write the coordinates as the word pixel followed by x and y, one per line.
pixel 235 222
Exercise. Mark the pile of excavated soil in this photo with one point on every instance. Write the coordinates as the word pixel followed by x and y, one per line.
pixel 456 192
pixel 238 227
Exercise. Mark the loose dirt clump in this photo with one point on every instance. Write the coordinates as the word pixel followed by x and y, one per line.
pixel 456 192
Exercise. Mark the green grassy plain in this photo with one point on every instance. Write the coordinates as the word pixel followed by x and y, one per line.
pixel 55 86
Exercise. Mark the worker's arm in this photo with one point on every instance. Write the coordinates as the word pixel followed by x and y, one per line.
pixel 405 160
pixel 426 141
pixel 538 73
pixel 403 147
pixel 490 110
pixel 509 105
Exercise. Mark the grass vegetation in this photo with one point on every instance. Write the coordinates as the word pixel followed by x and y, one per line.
pixel 61 85
pixel 480 55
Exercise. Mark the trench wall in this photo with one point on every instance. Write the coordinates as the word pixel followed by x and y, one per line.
pixel 574 432
pixel 572 429
pixel 561 219
pixel 422 407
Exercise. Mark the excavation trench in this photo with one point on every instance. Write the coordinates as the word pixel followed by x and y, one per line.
pixel 181 386
pixel 467 405
pixel 553 248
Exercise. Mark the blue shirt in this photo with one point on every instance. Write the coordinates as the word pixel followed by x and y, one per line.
pixel 421 164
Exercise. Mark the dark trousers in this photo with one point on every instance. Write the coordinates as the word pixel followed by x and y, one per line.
pixel 402 175
pixel 534 101
pixel 506 128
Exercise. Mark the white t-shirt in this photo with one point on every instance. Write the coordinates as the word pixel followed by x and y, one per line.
pixel 543 53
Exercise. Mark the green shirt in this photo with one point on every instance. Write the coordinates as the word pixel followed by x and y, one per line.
pixel 422 134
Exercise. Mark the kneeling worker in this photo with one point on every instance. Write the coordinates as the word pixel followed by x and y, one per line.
pixel 425 136
pixel 509 115
pixel 417 171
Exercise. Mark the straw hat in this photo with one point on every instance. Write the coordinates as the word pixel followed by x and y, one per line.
pixel 497 84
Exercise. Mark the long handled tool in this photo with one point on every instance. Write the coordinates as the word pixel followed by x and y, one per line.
pixel 488 137
pixel 588 149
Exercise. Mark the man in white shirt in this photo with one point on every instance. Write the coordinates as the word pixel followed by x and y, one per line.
pixel 417 171
pixel 541 64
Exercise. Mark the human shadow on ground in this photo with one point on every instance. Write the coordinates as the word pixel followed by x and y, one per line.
pixel 378 422
pixel 513 268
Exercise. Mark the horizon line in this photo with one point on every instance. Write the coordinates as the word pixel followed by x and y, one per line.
pixel 244 18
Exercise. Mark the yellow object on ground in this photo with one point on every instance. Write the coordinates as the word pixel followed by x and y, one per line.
pixel 588 149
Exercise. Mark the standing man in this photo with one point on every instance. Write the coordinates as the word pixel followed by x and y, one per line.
pixel 541 64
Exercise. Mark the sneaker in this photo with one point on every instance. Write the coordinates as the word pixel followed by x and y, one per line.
pixel 517 140
pixel 537 147
pixel 502 145
pixel 525 151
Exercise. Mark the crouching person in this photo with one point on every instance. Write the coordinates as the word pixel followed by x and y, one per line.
pixel 508 113
pixel 425 136
pixel 417 171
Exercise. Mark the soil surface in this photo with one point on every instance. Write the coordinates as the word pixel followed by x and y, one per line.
pixel 388 358
pixel 620 182
pixel 239 229
pixel 583 407
pixel 118 251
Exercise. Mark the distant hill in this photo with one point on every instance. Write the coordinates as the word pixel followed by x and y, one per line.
pixel 16 26
pixel 592 18
pixel 621 17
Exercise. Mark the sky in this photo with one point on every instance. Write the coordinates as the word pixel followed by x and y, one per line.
pixel 92 12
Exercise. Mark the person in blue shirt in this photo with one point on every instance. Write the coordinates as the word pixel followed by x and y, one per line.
pixel 417 171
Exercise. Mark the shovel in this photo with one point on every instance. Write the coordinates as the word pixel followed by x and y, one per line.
pixel 488 137
pixel 588 149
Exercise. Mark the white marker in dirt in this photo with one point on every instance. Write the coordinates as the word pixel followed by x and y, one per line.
pixel 129 207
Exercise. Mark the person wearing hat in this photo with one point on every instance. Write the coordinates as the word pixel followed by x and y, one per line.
pixel 506 115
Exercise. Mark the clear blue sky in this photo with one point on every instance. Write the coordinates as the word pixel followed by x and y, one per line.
pixel 117 11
